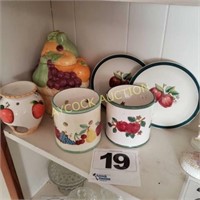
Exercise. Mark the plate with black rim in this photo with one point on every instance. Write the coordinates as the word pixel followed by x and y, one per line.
pixel 118 67
pixel 176 92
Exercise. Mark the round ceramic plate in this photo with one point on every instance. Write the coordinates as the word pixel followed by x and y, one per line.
pixel 106 68
pixel 176 91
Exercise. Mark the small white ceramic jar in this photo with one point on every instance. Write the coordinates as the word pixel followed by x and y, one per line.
pixel 129 115
pixel 77 119
pixel 21 107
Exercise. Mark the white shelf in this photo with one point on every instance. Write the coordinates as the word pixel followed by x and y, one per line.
pixel 50 191
pixel 161 173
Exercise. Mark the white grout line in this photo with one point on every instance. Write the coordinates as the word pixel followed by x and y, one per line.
pixel 75 28
pixel 198 40
pixel 128 25
pixel 52 17
pixel 164 32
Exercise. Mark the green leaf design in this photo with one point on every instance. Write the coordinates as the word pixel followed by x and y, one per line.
pixel 132 135
pixel 118 74
pixel 52 36
pixel 131 119
pixel 1 107
pixel 114 130
pixel 40 75
pixel 169 88
pixel 109 124
pixel 125 76
pixel 174 92
pixel 76 136
pixel 68 45
pixel 82 132
pixel 52 56
pixel 127 134
pixel 85 126
pixel 43 60
pixel 159 87
pixel 164 85
pixel 61 38
pixel 115 120
pixel 143 123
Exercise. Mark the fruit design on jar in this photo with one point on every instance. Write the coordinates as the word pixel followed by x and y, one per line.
pixel 119 78
pixel 86 134
pixel 6 114
pixel 38 109
pixel 165 95
pixel 131 127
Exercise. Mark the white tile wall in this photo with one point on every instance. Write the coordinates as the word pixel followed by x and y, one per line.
pixel 148 31
pixel 63 15
pixel 24 27
pixel 181 41
pixel 101 27
pixel 147 23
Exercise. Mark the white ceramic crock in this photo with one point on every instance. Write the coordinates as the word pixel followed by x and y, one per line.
pixel 128 114
pixel 77 119
pixel 21 107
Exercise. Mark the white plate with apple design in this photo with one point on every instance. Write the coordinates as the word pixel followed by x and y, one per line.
pixel 176 92
pixel 114 67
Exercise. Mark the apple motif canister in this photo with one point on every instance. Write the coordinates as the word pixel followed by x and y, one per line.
pixel 129 110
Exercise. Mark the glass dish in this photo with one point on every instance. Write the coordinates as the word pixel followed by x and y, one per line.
pixel 65 179
pixel 82 193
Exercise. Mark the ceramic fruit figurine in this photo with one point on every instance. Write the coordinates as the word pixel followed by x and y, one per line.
pixel 21 107
pixel 60 67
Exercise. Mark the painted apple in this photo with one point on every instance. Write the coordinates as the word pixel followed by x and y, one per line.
pixel 6 114
pixel 114 81
pixel 166 100
pixel 121 126
pixel 157 93
pixel 38 109
pixel 99 128
pixel 133 127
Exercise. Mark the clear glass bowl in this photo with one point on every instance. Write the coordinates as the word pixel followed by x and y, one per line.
pixel 82 193
pixel 65 179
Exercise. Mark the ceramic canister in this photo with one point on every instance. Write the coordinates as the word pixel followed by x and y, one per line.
pixel 77 119
pixel 21 107
pixel 128 115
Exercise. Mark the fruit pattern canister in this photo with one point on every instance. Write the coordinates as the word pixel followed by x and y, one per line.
pixel 129 111
pixel 21 107
pixel 77 119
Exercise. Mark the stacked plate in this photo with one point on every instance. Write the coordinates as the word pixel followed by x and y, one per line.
pixel 176 88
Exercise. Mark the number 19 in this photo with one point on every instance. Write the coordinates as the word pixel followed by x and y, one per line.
pixel 118 158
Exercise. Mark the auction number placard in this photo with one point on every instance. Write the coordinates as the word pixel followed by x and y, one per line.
pixel 111 166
